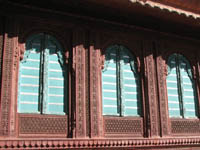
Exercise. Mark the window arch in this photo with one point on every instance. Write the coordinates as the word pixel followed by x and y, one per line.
pixel 182 99
pixel 42 86
pixel 121 94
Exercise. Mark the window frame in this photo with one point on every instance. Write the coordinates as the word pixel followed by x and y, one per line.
pixel 135 49
pixel 64 120
pixel 133 65
pixel 186 125
pixel 179 85
pixel 42 102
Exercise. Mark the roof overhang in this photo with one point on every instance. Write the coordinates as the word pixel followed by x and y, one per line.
pixel 156 15
pixel 164 6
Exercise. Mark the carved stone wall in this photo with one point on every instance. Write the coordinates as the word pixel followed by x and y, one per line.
pixel 88 113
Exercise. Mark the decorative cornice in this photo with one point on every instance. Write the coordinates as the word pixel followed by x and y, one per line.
pixel 148 3
pixel 97 143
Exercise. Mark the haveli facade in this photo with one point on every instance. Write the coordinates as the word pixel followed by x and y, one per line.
pixel 106 74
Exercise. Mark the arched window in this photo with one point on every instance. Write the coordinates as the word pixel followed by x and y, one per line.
pixel 182 100
pixel 120 83
pixel 42 86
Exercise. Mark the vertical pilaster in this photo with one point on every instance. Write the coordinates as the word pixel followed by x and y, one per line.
pixel 15 70
pixel 162 89
pixel 95 72
pixel 10 58
pixel 80 82
pixel 151 93
pixel 1 45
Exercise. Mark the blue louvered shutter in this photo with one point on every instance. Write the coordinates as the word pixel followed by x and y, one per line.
pixel 109 83
pixel 172 88
pixel 129 85
pixel 42 77
pixel 182 101
pixel 188 89
pixel 56 90
pixel 29 81
pixel 120 83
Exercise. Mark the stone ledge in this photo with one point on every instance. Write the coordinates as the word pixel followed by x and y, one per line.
pixel 32 143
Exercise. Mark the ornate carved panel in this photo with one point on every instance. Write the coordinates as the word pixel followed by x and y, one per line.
pixel 87 97
pixel 184 126
pixel 94 88
pixel 126 126
pixel 161 73
pixel 79 67
pixel 151 94
pixel 6 93
pixel 42 124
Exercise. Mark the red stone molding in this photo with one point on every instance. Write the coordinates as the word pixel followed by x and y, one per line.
pixel 99 143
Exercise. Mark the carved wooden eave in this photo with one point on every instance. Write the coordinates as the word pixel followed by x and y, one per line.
pixel 168 8
pixel 127 13
pixel 164 7
pixel 189 9
pixel 191 5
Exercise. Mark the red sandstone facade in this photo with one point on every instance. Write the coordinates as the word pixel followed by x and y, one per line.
pixel 85 31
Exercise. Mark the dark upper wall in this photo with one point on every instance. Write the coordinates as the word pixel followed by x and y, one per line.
pixel 118 12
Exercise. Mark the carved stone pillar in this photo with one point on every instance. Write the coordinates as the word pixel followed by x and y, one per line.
pixel 95 82
pixel 80 82
pixel 1 45
pixel 8 95
pixel 162 92
pixel 151 90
